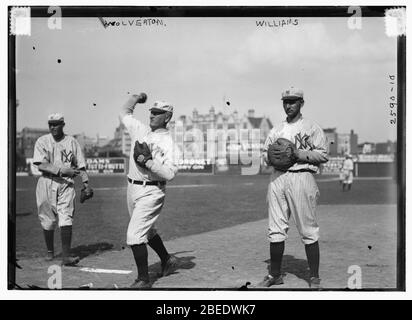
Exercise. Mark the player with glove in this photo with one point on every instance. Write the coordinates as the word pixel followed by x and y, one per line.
pixel 153 162
pixel 59 158
pixel 294 148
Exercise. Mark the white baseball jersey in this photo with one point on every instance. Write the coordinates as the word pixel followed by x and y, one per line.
pixel 55 195
pixel 347 170
pixel 295 192
pixel 65 153
pixel 164 152
pixel 348 164
pixel 145 202
pixel 307 136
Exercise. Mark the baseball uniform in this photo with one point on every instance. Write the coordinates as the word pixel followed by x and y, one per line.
pixel 295 192
pixel 145 201
pixel 347 171
pixel 292 190
pixel 55 195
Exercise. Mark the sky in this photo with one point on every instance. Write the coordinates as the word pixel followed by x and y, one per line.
pixel 204 62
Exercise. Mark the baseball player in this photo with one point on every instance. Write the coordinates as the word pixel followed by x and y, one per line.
pixel 294 192
pixel 152 163
pixel 59 158
pixel 347 170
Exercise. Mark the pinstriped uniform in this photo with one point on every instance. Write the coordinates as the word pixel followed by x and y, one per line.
pixel 295 192
pixel 55 195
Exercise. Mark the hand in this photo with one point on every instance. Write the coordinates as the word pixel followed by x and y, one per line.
pixel 141 98
pixel 86 193
pixel 141 154
pixel 69 172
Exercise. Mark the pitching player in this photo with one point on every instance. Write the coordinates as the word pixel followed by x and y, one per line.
pixel 146 190
pixel 347 170
pixel 294 192
pixel 59 158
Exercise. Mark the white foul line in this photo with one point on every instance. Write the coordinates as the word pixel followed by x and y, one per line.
pixel 95 270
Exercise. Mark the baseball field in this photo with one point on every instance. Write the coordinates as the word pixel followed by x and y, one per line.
pixel 217 226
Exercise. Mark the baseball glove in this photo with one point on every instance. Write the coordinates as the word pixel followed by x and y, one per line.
pixel 141 153
pixel 86 193
pixel 282 154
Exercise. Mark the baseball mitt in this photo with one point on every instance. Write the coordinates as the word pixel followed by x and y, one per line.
pixel 86 193
pixel 282 154
pixel 141 153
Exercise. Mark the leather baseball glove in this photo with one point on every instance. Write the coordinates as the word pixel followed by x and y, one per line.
pixel 141 153
pixel 86 193
pixel 282 154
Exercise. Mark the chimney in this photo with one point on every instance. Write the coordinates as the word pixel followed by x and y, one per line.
pixel 251 113
pixel 195 114
pixel 212 112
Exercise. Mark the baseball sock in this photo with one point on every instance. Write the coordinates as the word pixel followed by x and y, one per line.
pixel 66 236
pixel 312 253
pixel 140 257
pixel 49 237
pixel 276 254
pixel 157 245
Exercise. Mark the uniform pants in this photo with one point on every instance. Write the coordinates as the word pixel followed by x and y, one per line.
pixel 55 202
pixel 293 194
pixel 144 203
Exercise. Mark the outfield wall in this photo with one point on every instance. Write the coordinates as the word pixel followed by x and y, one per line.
pixel 108 166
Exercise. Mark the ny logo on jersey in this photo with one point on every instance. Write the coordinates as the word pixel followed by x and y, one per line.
pixel 67 156
pixel 302 142
pixel 157 151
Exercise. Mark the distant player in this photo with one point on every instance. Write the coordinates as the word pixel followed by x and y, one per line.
pixel 59 158
pixel 347 170
pixel 153 161
pixel 294 192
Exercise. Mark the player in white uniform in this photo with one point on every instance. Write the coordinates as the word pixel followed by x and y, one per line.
pixel 59 157
pixel 347 171
pixel 147 185
pixel 295 192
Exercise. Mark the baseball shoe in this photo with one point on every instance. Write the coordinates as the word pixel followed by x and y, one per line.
pixel 141 284
pixel 169 266
pixel 314 283
pixel 50 256
pixel 269 281
pixel 70 261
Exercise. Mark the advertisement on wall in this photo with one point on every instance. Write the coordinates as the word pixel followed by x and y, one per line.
pixel 106 165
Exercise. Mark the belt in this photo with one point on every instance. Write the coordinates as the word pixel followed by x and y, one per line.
pixel 147 183
pixel 302 170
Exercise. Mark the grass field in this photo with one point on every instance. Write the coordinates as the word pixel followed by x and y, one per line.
pixel 194 204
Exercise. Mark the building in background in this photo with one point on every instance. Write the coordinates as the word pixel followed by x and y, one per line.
pixel 388 147
pixel 121 135
pixel 341 143
pixel 232 127
pixel 26 139
pixel 88 144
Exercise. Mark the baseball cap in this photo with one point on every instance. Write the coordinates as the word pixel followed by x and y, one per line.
pixel 292 93
pixel 55 117
pixel 162 106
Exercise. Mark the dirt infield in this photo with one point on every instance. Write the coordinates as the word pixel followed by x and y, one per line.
pixel 217 226
pixel 228 258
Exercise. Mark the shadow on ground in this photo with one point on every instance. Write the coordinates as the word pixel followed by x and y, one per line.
pixel 185 262
pixel 84 251
pixel 298 267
